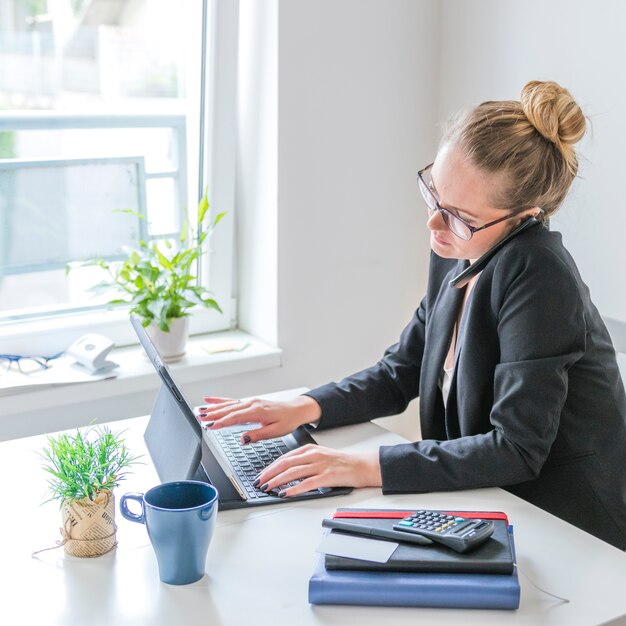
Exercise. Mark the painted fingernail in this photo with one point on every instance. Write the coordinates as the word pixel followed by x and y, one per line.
pixel 203 408
pixel 246 439
pixel 256 483
pixel 209 424
pixel 282 494
pixel 263 487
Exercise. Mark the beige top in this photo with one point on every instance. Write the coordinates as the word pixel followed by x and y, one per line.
pixel 448 365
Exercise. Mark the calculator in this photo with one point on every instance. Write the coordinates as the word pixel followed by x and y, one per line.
pixel 458 533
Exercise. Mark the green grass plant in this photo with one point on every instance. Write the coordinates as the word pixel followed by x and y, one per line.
pixel 86 463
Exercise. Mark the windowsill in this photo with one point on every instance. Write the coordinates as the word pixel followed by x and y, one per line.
pixel 136 373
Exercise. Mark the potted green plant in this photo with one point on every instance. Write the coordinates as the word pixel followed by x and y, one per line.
pixel 84 468
pixel 159 280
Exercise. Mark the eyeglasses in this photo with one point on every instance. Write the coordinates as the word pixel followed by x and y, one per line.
pixel 457 225
pixel 26 364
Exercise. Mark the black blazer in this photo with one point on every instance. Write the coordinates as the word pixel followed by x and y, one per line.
pixel 536 401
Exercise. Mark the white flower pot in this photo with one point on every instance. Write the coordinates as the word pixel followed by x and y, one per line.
pixel 171 346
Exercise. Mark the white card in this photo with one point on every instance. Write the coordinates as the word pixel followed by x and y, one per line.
pixel 361 548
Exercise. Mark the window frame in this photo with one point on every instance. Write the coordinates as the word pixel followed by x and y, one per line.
pixel 8 165
pixel 217 151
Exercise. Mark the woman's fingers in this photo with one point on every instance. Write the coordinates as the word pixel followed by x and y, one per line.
pixel 308 484
pixel 244 412
pixel 293 473
pixel 275 419
pixel 268 431
pixel 316 466
pixel 300 457
pixel 222 410
pixel 216 399
pixel 216 406
pixel 239 414
pixel 311 476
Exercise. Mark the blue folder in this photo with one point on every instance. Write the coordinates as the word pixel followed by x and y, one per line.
pixel 417 589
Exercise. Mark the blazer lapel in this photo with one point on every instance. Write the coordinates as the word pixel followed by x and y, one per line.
pixel 452 414
pixel 438 336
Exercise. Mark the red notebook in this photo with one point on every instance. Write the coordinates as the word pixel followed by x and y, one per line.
pixel 397 514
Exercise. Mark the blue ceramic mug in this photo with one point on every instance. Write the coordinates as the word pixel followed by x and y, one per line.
pixel 180 519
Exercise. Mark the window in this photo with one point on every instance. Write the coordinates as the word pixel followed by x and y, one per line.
pixel 100 112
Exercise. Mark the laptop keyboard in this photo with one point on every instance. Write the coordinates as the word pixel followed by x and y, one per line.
pixel 249 459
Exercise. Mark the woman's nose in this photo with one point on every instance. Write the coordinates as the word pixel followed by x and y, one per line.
pixel 436 221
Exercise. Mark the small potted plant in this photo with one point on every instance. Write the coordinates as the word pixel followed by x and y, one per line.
pixel 84 468
pixel 159 281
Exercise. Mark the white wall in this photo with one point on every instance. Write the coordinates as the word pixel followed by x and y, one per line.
pixel 339 109
pixel 490 48
pixel 355 111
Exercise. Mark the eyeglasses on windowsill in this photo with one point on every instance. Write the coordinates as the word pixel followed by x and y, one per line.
pixel 26 364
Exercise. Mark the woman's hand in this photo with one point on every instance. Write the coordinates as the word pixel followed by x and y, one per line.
pixel 276 418
pixel 320 467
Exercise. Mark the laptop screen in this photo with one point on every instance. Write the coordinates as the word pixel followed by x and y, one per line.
pixel 173 436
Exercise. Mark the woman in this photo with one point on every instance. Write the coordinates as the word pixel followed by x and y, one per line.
pixel 517 378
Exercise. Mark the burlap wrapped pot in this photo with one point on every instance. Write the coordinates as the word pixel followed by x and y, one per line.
pixel 89 525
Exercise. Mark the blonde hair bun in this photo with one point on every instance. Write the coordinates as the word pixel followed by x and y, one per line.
pixel 552 110
pixel 529 144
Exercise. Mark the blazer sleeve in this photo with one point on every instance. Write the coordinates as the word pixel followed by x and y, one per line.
pixel 541 333
pixel 383 389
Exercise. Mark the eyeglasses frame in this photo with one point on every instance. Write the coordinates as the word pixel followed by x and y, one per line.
pixel 444 212
pixel 42 361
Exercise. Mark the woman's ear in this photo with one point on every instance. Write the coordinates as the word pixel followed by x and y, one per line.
pixel 535 212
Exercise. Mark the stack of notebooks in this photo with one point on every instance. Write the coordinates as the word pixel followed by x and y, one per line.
pixel 422 575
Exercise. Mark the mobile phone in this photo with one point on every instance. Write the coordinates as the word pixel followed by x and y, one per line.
pixel 374 531
pixel 467 274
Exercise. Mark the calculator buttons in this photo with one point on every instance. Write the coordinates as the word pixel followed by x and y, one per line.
pixel 459 533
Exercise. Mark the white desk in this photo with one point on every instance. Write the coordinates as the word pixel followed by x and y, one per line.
pixel 260 560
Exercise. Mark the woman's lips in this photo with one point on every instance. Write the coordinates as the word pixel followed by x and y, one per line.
pixel 439 240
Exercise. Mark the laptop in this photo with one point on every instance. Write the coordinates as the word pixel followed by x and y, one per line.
pixel 182 449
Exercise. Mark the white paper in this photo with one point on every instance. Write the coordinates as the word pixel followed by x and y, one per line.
pixel 361 548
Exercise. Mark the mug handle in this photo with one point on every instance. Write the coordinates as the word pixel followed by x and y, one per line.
pixel 127 513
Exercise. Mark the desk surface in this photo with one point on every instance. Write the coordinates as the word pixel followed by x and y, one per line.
pixel 260 561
